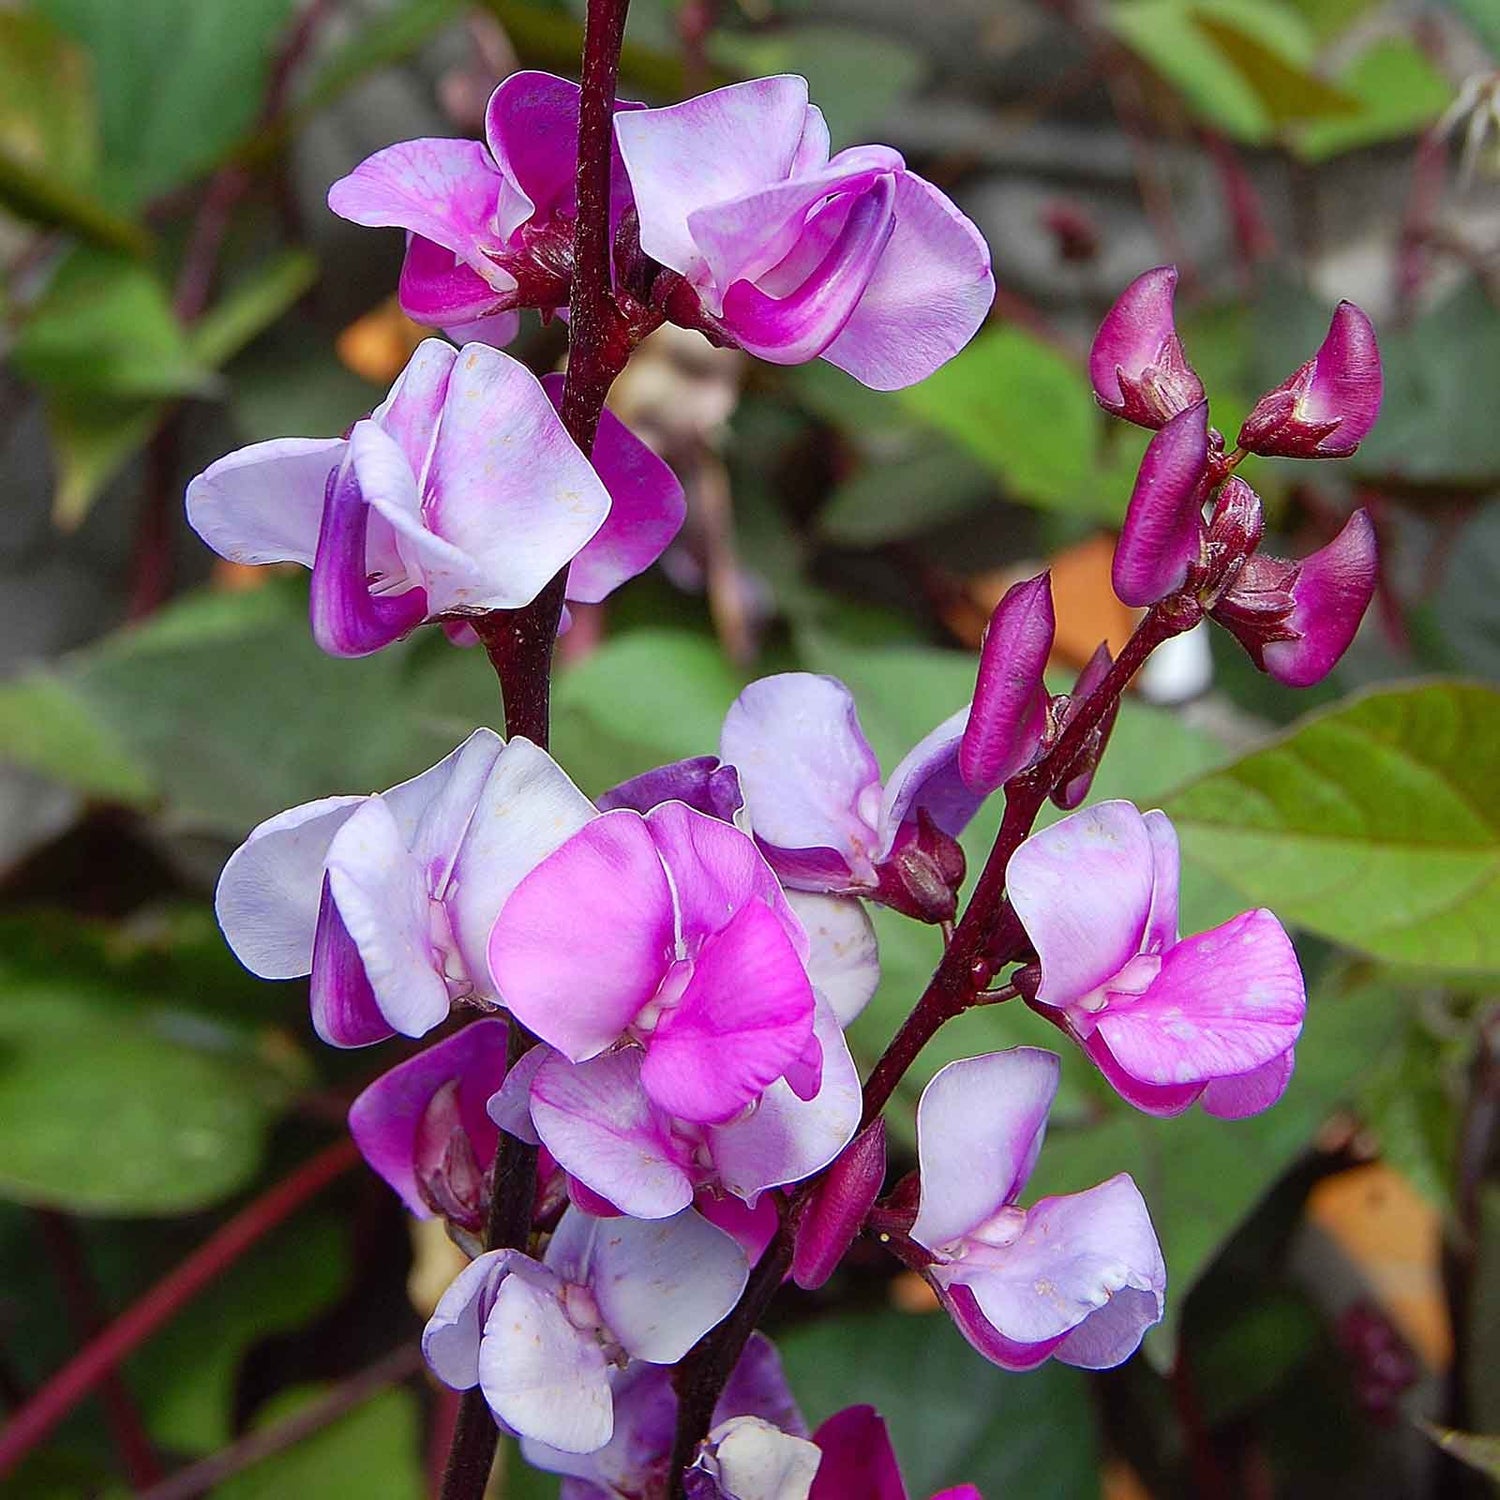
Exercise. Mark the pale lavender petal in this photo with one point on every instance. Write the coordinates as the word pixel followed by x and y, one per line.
pixel 1246 1094
pixel 264 503
pixel 271 886
pixel 410 412
pixel 527 809
pixel 662 1284
pixel 510 1105
pixel 929 780
pixel 645 1418
pixel 928 297
pixel 718 146
pixel 345 1012
pixel 443 190
pixel 385 1118
pixel 810 779
pixel 757 1461
pixel 836 1209
pixel 434 810
pixel 843 960
pixel 600 1124
pixel 1082 889
pixel 744 1019
pixel 541 1376
pixel 1225 1002
pixel 1162 533
pixel 1009 713
pixel 961 1305
pixel 382 897
pixel 1166 876
pixel 704 782
pixel 980 1124
pixel 583 941
pixel 752 1229
pixel 450 1341
pixel 1073 1256
pixel 858 1460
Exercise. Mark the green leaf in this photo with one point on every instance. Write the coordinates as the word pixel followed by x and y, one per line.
pixel 47 117
pixel 953 1418
pixel 1483 17
pixel 249 308
pixel 1399 92
pixel 44 727
pixel 1026 412
pixel 931 483
pixel 106 1108
pixel 1375 824
pixel 374 1453
pixel 93 438
pixel 1288 92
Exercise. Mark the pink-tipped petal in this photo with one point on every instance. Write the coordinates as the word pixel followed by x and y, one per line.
pixel 1249 1093
pixel 1330 596
pixel 583 941
pixel 1136 363
pixel 744 1019
pixel 1009 713
pixel 1161 537
pixel 980 1124
pixel 1083 890
pixel 858 1460
pixel 1224 1003
pixel 345 1011
pixel 836 1210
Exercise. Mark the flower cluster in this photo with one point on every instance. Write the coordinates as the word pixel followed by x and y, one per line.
pixel 651 989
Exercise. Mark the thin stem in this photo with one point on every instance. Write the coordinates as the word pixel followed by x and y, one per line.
pixel 166 1299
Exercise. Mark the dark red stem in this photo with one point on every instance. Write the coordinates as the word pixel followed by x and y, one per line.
pixel 166 1299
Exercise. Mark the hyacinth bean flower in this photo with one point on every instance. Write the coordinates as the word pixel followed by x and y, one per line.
pixel 1295 618
pixel 489 226
pixel 1008 718
pixel 860 1464
pixel 1328 407
pixel 817 807
pixel 425 511
pixel 635 1462
pixel 1162 535
pixel 1077 1278
pixel 670 932
pixel 748 1458
pixel 540 1339
pixel 793 254
pixel 1136 364
pixel 423 1127
pixel 388 900
pixel 1168 1022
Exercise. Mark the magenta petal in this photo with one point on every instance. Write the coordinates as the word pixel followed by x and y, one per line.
pixel 384 1119
pixel 1164 1100
pixel 438 290
pixel 745 1017
pixel 531 124
pixel 1009 713
pixel 583 941
pixel 1016 1355
pixel 345 1012
pixel 1224 1003
pixel 1136 363
pixel 600 1124
pixel 836 1211
pixel 1083 890
pixel 1331 594
pixel 858 1460
pixel 928 297
pixel 1249 1093
pixel 980 1124
pixel 1161 537
pixel 704 782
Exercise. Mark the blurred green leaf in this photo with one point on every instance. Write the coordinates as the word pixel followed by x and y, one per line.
pixel 1026 412
pixel 110 1109
pixel 1483 17
pixel 1482 1454
pixel 93 438
pixel 1288 92
pixel 885 501
pixel 374 1453
pixel 47 116
pixel 44 726
pixel 1399 92
pixel 186 1375
pixel 246 310
pixel 179 81
pixel 1248 1351
pixel 1376 824
pixel 953 1418
pixel 291 383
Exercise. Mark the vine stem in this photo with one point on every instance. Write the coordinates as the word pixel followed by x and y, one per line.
pixel 988 936
pixel 520 642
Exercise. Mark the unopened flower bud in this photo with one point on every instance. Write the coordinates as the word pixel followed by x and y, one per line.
pixel 838 1206
pixel 1163 532
pixel 1009 714
pixel 1328 407
pixel 1078 775
pixel 1136 364
pixel 922 876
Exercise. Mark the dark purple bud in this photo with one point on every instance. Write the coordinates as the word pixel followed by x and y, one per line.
pixel 1077 776
pixel 923 873
pixel 1136 365
pixel 704 782
pixel 1296 619
pixel 1329 406
pixel 838 1206
pixel 1237 523
pixel 1009 714
pixel 1163 533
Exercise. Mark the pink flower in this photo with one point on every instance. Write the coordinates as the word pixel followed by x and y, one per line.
pixel 1137 366
pixel 388 900
pixel 423 512
pixel 540 1339
pixel 1078 1278
pixel 668 931
pixel 860 1464
pixel 794 254
pixel 1168 1022
pixel 1328 407
pixel 489 226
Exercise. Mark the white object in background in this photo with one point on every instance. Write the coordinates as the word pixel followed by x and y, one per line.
pixel 1179 669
